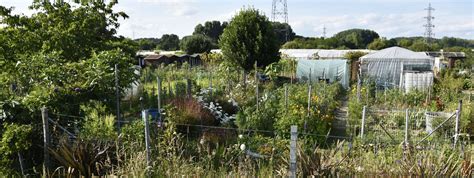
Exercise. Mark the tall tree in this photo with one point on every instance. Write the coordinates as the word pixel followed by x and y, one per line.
pixel 378 44
pixel 283 32
pixel 249 37
pixel 196 44
pixel 356 38
pixel 211 29
pixel 169 42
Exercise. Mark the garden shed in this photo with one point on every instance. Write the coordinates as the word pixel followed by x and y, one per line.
pixel 392 65
pixel 335 70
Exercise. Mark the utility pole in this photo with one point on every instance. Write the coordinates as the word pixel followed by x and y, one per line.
pixel 429 25
pixel 324 32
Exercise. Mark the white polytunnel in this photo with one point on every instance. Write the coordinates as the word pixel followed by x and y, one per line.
pixel 392 66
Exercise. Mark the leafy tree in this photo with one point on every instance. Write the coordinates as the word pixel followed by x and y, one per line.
pixel 377 44
pixel 356 38
pixel 147 43
pixel 196 44
pixel 249 37
pixel 420 45
pixel 169 42
pixel 60 57
pixel 283 32
pixel 406 43
pixel 211 29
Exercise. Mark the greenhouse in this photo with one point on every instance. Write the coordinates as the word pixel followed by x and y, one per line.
pixel 396 67
pixel 330 71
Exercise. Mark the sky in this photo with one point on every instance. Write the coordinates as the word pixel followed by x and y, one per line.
pixel 389 18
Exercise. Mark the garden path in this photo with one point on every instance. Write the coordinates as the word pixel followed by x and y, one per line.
pixel 338 127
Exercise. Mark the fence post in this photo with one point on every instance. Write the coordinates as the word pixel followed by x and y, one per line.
pixel 294 138
pixel 147 136
pixel 210 83
pixel 188 87
pixel 358 87
pixel 363 123
pixel 406 127
pixel 256 83
pixel 286 98
pixel 456 128
pixel 117 95
pixel 158 80
pixel 46 141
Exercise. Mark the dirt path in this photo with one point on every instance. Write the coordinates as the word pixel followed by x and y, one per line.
pixel 338 127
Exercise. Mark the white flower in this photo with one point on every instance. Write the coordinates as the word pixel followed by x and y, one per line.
pixel 242 147
pixel 241 136
pixel 202 141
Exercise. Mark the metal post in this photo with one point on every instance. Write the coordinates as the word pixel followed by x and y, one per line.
pixel 363 123
pixel 406 127
pixel 147 137
pixel 117 95
pixel 158 80
pixel 46 141
pixel 456 129
pixel 294 138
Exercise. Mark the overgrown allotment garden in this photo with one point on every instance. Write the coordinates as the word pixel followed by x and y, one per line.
pixel 75 103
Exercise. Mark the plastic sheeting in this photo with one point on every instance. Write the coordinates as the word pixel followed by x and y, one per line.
pixel 336 70
pixel 388 65
pixel 320 53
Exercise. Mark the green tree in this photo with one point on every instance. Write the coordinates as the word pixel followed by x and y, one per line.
pixel 356 38
pixel 196 44
pixel 169 42
pixel 147 43
pixel 249 37
pixel 377 44
pixel 284 32
pixel 420 45
pixel 211 29
pixel 406 43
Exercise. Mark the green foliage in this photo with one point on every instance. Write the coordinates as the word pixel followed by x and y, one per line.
pixel 354 55
pixel 14 139
pixel 84 157
pixel 377 44
pixel 97 123
pixel 248 38
pixel 283 32
pixel 168 42
pixel 211 29
pixel 356 38
pixel 196 44
pixel 147 43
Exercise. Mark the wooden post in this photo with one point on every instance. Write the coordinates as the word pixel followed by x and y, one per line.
pixel 117 96
pixel 46 141
pixel 359 82
pixel 147 137
pixel 363 123
pixel 210 84
pixel 158 80
pixel 188 88
pixel 456 128
pixel 286 98
pixel 293 149
pixel 406 128
pixel 256 83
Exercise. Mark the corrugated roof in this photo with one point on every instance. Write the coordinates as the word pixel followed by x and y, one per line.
pixel 320 53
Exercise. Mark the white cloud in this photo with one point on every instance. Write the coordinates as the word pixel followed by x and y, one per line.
pixel 182 8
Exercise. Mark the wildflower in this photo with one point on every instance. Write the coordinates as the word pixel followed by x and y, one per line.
pixel 202 141
pixel 242 147
pixel 241 136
